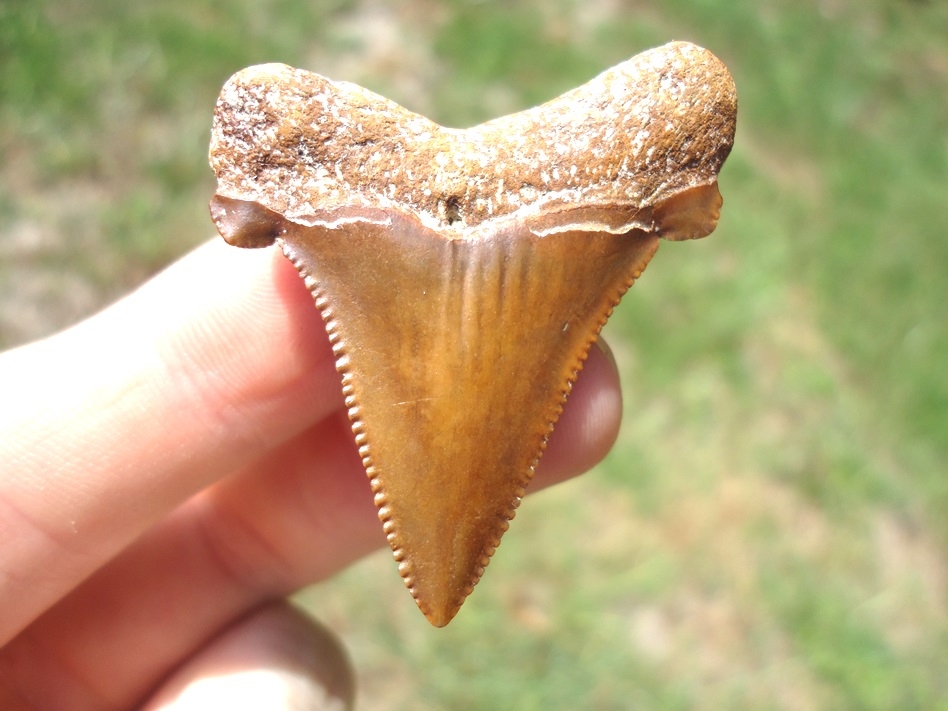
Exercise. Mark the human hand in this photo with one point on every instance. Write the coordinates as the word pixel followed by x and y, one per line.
pixel 175 466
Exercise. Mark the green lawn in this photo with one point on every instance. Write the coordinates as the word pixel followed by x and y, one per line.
pixel 771 531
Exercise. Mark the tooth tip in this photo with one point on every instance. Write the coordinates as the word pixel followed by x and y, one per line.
pixel 440 617
pixel 439 582
pixel 441 602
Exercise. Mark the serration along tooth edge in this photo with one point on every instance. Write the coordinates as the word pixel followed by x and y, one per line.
pixel 359 431
pixel 508 515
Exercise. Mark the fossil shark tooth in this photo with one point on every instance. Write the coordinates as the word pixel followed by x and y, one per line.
pixel 464 274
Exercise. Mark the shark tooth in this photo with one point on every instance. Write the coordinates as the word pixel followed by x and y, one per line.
pixel 464 274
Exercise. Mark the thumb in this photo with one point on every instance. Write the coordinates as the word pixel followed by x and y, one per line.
pixel 274 658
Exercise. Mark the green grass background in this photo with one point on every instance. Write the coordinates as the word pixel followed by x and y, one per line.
pixel 771 531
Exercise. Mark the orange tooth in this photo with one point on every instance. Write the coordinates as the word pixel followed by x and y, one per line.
pixel 463 275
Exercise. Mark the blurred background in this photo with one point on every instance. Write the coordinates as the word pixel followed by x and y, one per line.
pixel 771 530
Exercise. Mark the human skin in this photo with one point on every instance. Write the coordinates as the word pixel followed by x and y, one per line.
pixel 175 464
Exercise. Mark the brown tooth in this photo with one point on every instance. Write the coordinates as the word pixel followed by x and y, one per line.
pixel 463 275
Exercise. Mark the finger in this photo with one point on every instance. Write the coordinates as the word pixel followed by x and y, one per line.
pixel 295 517
pixel 589 425
pixel 110 424
pixel 276 658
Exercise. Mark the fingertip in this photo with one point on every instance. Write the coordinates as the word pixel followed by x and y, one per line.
pixel 589 425
pixel 275 658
